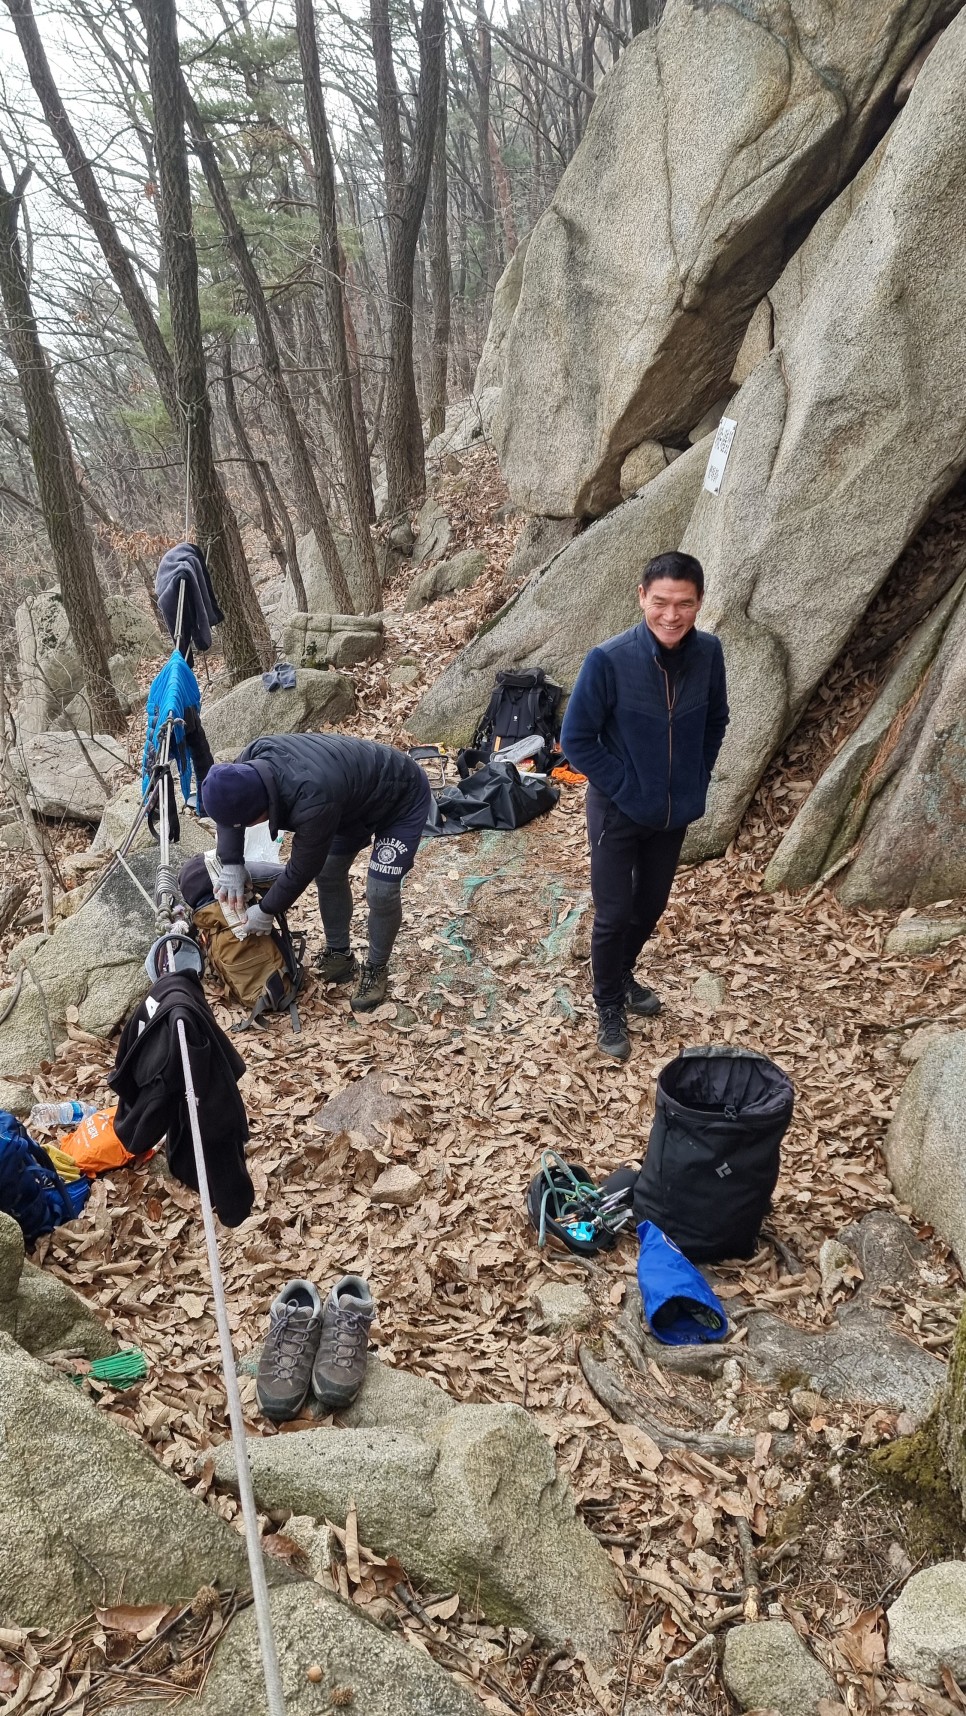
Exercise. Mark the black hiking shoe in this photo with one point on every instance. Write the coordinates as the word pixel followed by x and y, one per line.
pixel 612 1038
pixel 340 1363
pixel 336 965
pixel 373 988
pixel 285 1367
pixel 639 999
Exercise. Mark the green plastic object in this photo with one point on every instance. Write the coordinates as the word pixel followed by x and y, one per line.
pixel 123 1370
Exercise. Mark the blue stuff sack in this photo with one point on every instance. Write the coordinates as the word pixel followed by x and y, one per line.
pixel 31 1190
pixel 680 1308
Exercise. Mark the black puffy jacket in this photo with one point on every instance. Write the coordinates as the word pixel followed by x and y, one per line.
pixel 320 785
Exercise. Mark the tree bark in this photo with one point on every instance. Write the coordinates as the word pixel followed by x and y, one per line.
pixel 405 199
pixel 341 407
pixel 439 267
pixel 308 500
pixel 247 452
pixel 93 204
pixel 53 462
pixel 247 644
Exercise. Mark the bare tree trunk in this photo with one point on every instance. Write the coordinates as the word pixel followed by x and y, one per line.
pixel 308 499
pixel 341 408
pixel 93 204
pixel 405 198
pixel 248 647
pixel 53 461
pixel 247 452
pixel 355 377
pixel 440 273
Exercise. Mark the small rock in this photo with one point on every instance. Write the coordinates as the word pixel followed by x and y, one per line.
pixel 767 1667
pixel 14 838
pixel 315 1541
pixel 837 1266
pixel 709 992
pixel 641 464
pixel 404 674
pixel 16 1098
pixel 402 537
pixel 779 1420
pixel 450 464
pixel 917 935
pixel 443 579
pixel 807 1402
pixel 915 1046
pixel 562 1305
pixel 397 1185
pixel 927 1625
pixel 361 1107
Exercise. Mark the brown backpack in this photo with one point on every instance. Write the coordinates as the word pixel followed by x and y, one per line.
pixel 263 972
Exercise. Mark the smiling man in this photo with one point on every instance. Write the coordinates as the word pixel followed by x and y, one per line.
pixel 645 724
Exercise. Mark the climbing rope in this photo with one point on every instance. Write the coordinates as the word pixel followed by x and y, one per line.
pixel 253 1542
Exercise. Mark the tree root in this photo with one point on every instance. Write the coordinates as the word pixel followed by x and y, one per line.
pixel 640 1347
pixel 627 1409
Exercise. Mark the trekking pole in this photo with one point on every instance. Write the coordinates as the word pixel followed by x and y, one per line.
pixel 256 1565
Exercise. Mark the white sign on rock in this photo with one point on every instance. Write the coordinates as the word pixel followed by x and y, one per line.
pixel 718 457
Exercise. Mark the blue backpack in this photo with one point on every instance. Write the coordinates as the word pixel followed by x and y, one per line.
pixel 31 1190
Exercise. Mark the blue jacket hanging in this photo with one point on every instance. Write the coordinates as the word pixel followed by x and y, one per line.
pixel 174 692
pixel 680 1307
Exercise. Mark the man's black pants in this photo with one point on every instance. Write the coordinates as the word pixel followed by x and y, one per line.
pixel 631 871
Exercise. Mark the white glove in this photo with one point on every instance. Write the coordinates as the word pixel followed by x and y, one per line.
pixel 256 923
pixel 231 885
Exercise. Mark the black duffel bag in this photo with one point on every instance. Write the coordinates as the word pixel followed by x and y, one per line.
pixel 496 796
pixel 713 1154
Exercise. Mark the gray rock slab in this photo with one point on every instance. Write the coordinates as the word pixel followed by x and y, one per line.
pixel 586 593
pixel 919 935
pixel 562 1305
pixel 713 139
pixel 767 1667
pixel 101 1521
pixel 249 711
pixel 333 640
pixel 51 1318
pixel 860 1360
pixel 386 1676
pixel 839 454
pixel 363 1106
pixel 396 1399
pixel 17 1099
pixel 94 961
pixel 433 531
pixel 59 769
pixel 925 1146
pixel 319 593
pixel 457 573
pixel 539 542
pixel 491 368
pixel 927 1625
pixel 475 1502
pixel 117 820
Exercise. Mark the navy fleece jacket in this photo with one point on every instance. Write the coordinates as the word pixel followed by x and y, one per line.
pixel 647 738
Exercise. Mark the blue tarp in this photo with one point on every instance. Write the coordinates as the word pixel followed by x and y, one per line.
pixel 173 692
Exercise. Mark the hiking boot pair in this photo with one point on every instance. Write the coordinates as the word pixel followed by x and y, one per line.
pixel 612 1035
pixel 315 1346
pixel 339 965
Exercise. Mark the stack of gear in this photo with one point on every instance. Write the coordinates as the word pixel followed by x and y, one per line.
pixel 32 1190
pixel 149 1080
pixel 564 1202
pixel 523 707
pixel 503 771
pixel 262 972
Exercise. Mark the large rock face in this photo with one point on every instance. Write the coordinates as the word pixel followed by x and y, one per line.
pixel 925 1146
pixel 49 666
pixel 99 1519
pixel 491 370
pixel 94 961
pixel 472 1500
pixel 384 1676
pixel 585 594
pixel 847 436
pixel 66 774
pixel 249 710
pixel 41 1312
pixel 318 590
pixel 710 146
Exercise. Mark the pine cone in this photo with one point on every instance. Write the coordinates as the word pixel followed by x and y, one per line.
pixel 341 1697
pixel 156 1660
pixel 186 1673
pixel 206 1601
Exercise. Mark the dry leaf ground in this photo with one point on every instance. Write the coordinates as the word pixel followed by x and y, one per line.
pixel 489 1043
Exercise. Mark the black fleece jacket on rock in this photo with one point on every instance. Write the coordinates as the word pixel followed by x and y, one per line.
pixel 319 785
pixel 149 1080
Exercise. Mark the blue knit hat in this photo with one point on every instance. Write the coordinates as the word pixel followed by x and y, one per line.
pixel 234 794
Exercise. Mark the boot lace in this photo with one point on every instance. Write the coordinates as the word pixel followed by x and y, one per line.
pixel 350 1335
pixel 370 977
pixel 612 1021
pixel 289 1336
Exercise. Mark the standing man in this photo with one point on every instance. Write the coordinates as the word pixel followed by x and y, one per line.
pixel 645 724
pixel 335 795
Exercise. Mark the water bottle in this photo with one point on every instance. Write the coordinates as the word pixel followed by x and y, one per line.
pixel 50 1114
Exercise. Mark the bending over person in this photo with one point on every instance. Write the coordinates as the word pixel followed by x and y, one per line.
pixel 335 796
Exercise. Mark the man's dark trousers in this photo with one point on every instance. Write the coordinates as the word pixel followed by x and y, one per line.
pixel 631 872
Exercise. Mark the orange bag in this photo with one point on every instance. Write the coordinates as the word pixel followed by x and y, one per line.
pixel 94 1144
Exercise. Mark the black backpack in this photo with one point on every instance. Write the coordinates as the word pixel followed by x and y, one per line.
pixel 496 796
pixel 713 1154
pixel 520 704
